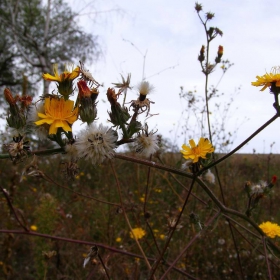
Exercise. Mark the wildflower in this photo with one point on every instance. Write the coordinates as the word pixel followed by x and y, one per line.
pixel 34 228
pixel 16 118
pixel 201 56
pixel 119 114
pixel 96 143
pixel 142 102
pixel 137 233
pixel 18 149
pixel 271 79
pixel 146 144
pixel 270 229
pixel 145 88
pixel 87 76
pixel 87 98
pixel 198 7
pixel 125 85
pixel 58 113
pixel 258 188
pixel 219 54
pixel 71 170
pixel 64 80
pixel 209 177
pixel 118 239
pixel 195 152
pixel 209 15
pixel 162 236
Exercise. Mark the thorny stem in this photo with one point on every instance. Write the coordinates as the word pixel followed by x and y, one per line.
pixel 188 245
pixel 126 218
pixel 172 231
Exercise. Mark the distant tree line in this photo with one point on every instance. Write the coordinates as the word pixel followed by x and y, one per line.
pixel 34 35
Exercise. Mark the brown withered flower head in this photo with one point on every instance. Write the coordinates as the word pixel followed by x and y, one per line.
pixel 18 149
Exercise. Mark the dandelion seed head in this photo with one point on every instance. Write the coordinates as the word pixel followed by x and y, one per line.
pixel 146 145
pixel 96 143
pixel 145 88
pixel 209 177
pixel 258 188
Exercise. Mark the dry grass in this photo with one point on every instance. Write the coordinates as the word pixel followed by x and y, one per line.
pixel 64 213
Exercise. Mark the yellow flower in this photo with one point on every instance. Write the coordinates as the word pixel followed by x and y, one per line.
pixel 58 113
pixel 267 79
pixel 194 152
pixel 66 75
pixel 162 236
pixel 270 229
pixel 118 239
pixel 33 227
pixel 137 233
pixel 64 80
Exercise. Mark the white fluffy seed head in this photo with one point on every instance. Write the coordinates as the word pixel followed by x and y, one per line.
pixel 209 177
pixel 145 88
pixel 146 145
pixel 258 188
pixel 96 143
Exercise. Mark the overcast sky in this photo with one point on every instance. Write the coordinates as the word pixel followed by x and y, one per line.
pixel 171 34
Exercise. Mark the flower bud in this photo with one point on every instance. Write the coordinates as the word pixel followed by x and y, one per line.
pixel 86 99
pixel 119 115
pixel 209 15
pixel 198 7
pixel 201 56
pixel 219 54
pixel 16 118
pixel 9 97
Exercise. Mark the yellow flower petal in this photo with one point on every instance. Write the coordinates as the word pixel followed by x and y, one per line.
pixel 58 113
pixel 267 79
pixel 270 229
pixel 194 152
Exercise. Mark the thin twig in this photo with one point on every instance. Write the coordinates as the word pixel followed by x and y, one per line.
pixel 13 209
pixel 126 218
pixel 188 245
pixel 172 232
pixel 266 258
